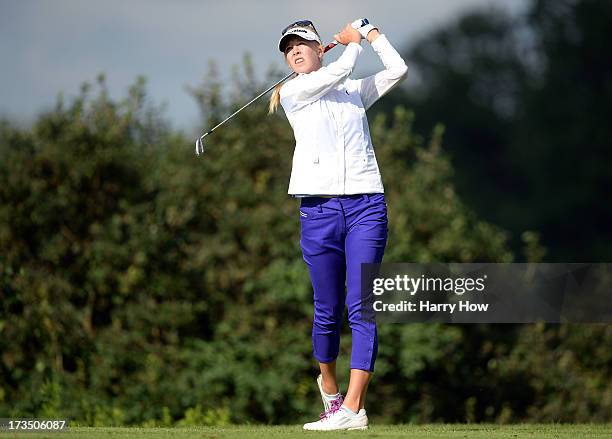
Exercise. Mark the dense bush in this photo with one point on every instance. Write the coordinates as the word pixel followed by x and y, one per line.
pixel 142 285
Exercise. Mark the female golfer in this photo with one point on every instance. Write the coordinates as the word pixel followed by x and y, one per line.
pixel 343 211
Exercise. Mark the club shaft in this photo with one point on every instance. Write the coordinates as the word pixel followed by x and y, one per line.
pixel 328 47
pixel 246 105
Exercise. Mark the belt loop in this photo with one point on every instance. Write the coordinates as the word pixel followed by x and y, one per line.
pixel 366 197
pixel 320 206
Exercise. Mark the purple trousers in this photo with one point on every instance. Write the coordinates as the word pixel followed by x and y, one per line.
pixel 338 235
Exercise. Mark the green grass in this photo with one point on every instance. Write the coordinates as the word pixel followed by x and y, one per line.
pixel 429 431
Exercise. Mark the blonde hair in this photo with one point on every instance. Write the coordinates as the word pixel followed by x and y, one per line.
pixel 275 99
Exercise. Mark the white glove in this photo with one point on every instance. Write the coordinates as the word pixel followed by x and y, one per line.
pixel 363 26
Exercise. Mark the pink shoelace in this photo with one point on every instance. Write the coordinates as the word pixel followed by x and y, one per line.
pixel 334 407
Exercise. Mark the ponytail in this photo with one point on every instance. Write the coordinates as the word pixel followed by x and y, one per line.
pixel 275 98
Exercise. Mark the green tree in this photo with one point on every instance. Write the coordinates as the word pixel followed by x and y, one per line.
pixel 525 103
pixel 143 285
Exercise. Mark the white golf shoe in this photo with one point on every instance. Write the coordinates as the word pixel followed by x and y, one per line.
pixel 339 418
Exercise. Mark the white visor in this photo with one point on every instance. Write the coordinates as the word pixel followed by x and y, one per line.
pixel 302 32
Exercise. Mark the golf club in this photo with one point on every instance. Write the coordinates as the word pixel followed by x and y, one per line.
pixel 200 144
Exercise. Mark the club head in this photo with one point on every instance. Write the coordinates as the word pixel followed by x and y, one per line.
pixel 199 146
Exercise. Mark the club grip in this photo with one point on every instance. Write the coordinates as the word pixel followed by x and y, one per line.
pixel 330 46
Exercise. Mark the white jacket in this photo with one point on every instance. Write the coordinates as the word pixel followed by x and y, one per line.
pixel 333 152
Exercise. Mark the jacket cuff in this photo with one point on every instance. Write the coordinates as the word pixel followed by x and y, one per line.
pixel 355 46
pixel 349 56
pixel 380 42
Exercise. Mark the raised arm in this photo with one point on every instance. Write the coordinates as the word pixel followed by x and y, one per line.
pixel 309 87
pixel 374 87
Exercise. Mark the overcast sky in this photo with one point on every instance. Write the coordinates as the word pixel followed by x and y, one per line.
pixel 48 46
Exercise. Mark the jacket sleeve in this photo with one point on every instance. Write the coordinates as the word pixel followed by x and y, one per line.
pixel 374 87
pixel 309 87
